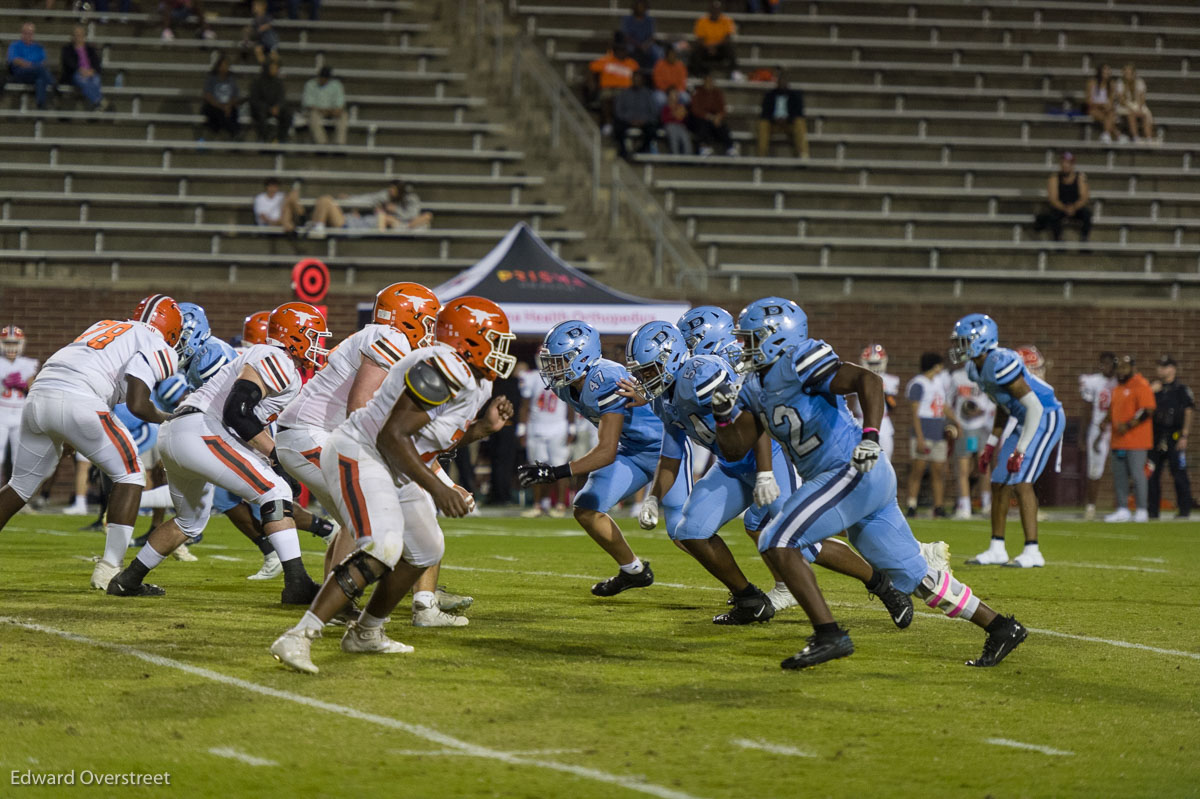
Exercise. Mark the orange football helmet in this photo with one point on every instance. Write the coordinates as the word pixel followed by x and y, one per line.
pixel 162 313
pixel 1033 359
pixel 478 329
pixel 875 358
pixel 254 329
pixel 410 308
pixel 12 342
pixel 300 329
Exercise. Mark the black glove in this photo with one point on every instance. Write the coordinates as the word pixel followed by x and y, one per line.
pixel 538 473
pixel 292 482
pixel 724 399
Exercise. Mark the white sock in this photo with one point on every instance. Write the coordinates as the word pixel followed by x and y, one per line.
pixel 780 585
pixel 998 545
pixel 985 499
pixel 1091 508
pixel 1031 546
pixel 116 541
pixel 367 621
pixel 425 599
pixel 964 503
pixel 633 568
pixel 157 497
pixel 287 545
pixel 149 556
pixel 309 621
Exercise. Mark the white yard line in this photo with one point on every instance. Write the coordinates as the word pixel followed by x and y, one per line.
pixel 1152 560
pixel 460 753
pixel 1045 750
pixel 234 754
pixel 767 746
pixel 1109 566
pixel 631 783
pixel 225 558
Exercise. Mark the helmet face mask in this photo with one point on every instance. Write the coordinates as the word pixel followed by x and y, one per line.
pixel 411 309
pixel 12 342
pixel 653 354
pixel 195 332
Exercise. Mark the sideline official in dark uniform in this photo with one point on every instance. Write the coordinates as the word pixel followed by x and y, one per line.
pixel 1172 419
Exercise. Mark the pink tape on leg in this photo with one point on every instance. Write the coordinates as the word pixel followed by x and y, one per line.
pixel 962 603
pixel 941 592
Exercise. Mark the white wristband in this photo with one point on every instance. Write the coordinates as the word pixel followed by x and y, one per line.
pixel 993 440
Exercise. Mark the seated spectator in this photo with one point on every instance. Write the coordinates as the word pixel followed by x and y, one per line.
pixel 638 30
pixel 670 73
pixel 1131 104
pixel 674 120
pixel 1101 94
pixel 709 119
pixel 181 12
pixel 713 47
pixel 261 35
pixel 783 109
pixel 81 68
pixel 325 100
pixel 1067 196
pixel 396 207
pixel 268 105
pixel 273 208
pixel 635 108
pixel 609 74
pixel 221 99
pixel 27 64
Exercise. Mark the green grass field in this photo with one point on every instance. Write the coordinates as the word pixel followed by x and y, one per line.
pixel 551 692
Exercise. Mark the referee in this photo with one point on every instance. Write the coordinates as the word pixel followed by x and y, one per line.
pixel 1172 419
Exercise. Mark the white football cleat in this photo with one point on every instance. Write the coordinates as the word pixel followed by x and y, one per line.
pixel 294 649
pixel 271 568
pixel 424 616
pixel 449 601
pixel 992 556
pixel 182 553
pixel 103 573
pixel 1028 559
pixel 936 554
pixel 532 513
pixel 371 640
pixel 781 598
pixel 1141 515
pixel 76 509
pixel 963 514
pixel 1119 515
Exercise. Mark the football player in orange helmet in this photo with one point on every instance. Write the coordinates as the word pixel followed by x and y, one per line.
pixel 478 330
pixel 300 330
pixel 410 308
pixel 163 314
pixel 254 329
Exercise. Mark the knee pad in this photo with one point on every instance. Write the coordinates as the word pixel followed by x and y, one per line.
pixel 367 567
pixel 276 510
pixel 940 590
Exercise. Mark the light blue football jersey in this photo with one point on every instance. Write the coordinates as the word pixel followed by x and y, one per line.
pixel 685 408
pixel 1001 367
pixel 641 429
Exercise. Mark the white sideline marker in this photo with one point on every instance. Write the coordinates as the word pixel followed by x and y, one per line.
pixel 631 783
pixel 1045 750
pixel 234 754
pixel 767 746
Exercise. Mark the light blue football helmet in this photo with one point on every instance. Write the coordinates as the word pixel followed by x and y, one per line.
pixel 653 355
pixel 708 330
pixel 974 335
pixel 767 328
pixel 569 350
pixel 170 392
pixel 194 333
pixel 213 356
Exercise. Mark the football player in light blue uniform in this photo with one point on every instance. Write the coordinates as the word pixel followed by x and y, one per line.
pixel 1028 399
pixel 680 393
pixel 623 459
pixel 795 389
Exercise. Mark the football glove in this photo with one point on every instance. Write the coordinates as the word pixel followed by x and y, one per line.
pixel 986 457
pixel 1014 462
pixel 277 467
pixel 766 490
pixel 865 455
pixel 648 517
pixel 724 398
pixel 535 474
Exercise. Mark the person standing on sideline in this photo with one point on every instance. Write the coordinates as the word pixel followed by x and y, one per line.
pixel 1132 438
pixel 1174 407
pixel 1066 198
pixel 1097 389
pixel 927 394
pixel 974 412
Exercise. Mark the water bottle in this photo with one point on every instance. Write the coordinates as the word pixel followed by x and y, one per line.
pixel 119 83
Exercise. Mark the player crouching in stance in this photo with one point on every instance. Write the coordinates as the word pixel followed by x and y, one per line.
pixel 71 402
pixel 794 388
pixel 428 403
pixel 219 437
pixel 1024 397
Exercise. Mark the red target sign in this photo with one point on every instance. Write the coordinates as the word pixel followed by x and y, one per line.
pixel 310 280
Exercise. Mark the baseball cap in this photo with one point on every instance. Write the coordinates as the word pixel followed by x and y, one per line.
pixel 1167 360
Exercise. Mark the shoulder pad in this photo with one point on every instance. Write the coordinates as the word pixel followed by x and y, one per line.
pixel 1005 365
pixel 429 384
pixel 383 346
pixel 815 364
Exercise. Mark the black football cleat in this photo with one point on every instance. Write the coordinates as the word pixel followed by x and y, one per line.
pixel 117 588
pixel 820 649
pixel 1007 636
pixel 899 605
pixel 753 609
pixel 299 593
pixel 623 582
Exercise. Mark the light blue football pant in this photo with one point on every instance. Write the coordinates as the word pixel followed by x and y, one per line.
pixel 630 472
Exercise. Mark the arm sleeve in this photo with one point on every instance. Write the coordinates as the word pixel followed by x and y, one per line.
pixel 1033 418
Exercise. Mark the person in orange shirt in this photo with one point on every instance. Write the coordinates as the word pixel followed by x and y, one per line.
pixel 611 73
pixel 1131 416
pixel 670 73
pixel 714 34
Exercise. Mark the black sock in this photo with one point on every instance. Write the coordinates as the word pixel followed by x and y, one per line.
pixel 264 545
pixel 997 538
pixel 1032 541
pixel 135 573
pixel 320 527
pixel 875 581
pixel 996 623
pixel 749 591
pixel 823 630
pixel 293 571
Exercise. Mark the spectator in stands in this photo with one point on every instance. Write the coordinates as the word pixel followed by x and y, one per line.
pixel 670 73
pixel 609 74
pixel 273 208
pixel 180 12
pixel 709 119
pixel 1101 94
pixel 268 105
pixel 1130 415
pixel 1174 407
pixel 395 207
pixel 783 109
pixel 1067 197
pixel 713 47
pixel 261 35
pixel 325 100
pixel 27 64
pixel 1131 104
pixel 638 30
pixel 928 395
pixel 674 119
pixel 221 99
pixel 635 108
pixel 81 68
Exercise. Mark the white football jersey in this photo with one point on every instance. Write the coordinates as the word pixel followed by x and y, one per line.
pixel 274 368
pixel 322 400
pixel 970 403
pixel 97 363
pixel 13 399
pixel 547 413
pixel 1097 389
pixel 931 401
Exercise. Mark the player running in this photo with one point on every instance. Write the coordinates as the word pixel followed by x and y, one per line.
pixel 16 372
pixel 1040 421
pixel 794 388
pixel 219 437
pixel 622 461
pixel 427 404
